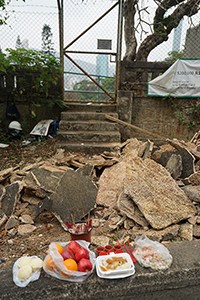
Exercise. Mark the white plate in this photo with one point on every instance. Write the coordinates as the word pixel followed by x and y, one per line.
pixel 115 274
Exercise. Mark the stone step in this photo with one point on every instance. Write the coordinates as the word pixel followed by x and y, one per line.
pixel 87 126
pixel 85 116
pixel 88 136
pixel 88 106
pixel 88 148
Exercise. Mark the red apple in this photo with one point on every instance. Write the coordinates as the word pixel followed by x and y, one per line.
pixel 74 246
pixel 81 253
pixel 67 253
pixel 84 265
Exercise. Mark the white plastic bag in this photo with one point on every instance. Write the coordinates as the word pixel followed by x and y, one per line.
pixel 24 282
pixel 73 276
pixel 151 253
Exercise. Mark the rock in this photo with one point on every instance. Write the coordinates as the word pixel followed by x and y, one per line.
pixel 193 220
pixel 95 223
pixel 11 197
pixel 5 173
pixel 99 240
pixel 27 219
pixel 186 232
pixel 12 222
pixel 174 166
pixel 12 232
pixel 110 184
pixel 74 191
pixel 156 194
pixel 3 218
pixel 26 229
pixel 2 194
pixel 31 199
pixel 192 192
pixel 196 231
pixel 148 150
pixel 194 179
pixel 127 207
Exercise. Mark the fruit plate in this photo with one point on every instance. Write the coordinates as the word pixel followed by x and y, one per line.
pixel 128 268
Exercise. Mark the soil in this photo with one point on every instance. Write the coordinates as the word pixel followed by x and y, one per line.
pixel 48 229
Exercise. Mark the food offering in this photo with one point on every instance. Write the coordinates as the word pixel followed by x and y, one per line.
pixel 152 253
pixel 72 261
pixel 114 266
pixel 26 269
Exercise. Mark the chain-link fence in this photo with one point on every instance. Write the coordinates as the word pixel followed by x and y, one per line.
pixel 26 21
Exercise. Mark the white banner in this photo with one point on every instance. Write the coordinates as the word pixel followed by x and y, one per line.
pixel 182 79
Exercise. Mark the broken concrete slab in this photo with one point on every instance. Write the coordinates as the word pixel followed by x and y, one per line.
pixel 174 166
pixel 3 218
pixel 186 232
pixel 47 177
pixel 148 150
pixel 74 191
pixel 192 192
pixel 2 194
pixel 156 194
pixel 194 179
pixel 26 219
pixel 12 222
pixel 127 207
pixel 5 173
pixel 11 197
pixel 110 184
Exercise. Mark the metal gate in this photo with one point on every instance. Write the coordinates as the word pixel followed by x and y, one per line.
pixel 90 75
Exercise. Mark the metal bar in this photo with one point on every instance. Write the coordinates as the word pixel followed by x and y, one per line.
pixel 61 34
pixel 89 77
pixel 94 75
pixel 89 52
pixel 91 25
pixel 119 43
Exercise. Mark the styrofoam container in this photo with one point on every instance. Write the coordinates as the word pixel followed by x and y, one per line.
pixel 118 273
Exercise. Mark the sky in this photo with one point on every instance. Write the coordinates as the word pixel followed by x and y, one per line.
pixel 27 20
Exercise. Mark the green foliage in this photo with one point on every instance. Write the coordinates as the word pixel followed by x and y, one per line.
pixel 84 86
pixel 108 84
pixel 35 73
pixel 3 4
pixel 173 56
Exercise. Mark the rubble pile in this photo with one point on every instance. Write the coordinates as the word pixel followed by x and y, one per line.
pixel 138 189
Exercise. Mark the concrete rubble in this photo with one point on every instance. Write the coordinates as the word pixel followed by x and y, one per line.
pixel 138 189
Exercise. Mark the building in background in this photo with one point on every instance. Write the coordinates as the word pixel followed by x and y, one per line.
pixel 102 68
pixel 177 37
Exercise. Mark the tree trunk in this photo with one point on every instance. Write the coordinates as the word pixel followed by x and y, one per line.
pixel 129 30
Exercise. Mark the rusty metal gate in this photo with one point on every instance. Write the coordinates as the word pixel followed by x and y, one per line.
pixel 91 67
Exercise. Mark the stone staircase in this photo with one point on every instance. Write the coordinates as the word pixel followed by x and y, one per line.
pixel 83 128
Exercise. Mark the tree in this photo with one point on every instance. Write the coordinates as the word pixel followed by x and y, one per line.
pixel 3 4
pixel 167 16
pixel 84 86
pixel 47 45
pixel 18 43
pixel 174 55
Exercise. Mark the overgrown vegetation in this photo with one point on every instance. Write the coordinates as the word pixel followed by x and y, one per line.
pixel 188 115
pixel 34 74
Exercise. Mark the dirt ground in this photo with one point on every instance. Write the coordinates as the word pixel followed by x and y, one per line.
pixel 48 230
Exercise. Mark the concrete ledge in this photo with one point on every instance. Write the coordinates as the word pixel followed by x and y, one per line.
pixel 180 281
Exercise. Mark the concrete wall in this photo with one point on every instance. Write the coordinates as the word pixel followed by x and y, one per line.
pixel 154 114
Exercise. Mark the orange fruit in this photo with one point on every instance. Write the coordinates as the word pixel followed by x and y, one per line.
pixel 71 265
pixel 59 247
pixel 49 264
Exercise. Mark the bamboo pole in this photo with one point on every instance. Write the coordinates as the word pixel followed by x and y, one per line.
pixel 135 127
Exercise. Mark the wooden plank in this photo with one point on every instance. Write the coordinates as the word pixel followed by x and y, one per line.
pixel 135 127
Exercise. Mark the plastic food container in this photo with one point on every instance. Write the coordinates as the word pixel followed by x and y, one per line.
pixel 122 270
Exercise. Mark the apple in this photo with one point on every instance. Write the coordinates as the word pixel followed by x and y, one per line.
pixel 67 253
pixel 84 265
pixel 74 246
pixel 81 253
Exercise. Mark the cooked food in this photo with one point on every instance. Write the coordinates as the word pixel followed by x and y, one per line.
pixel 24 261
pixel 114 263
pixel 24 272
pixel 36 264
